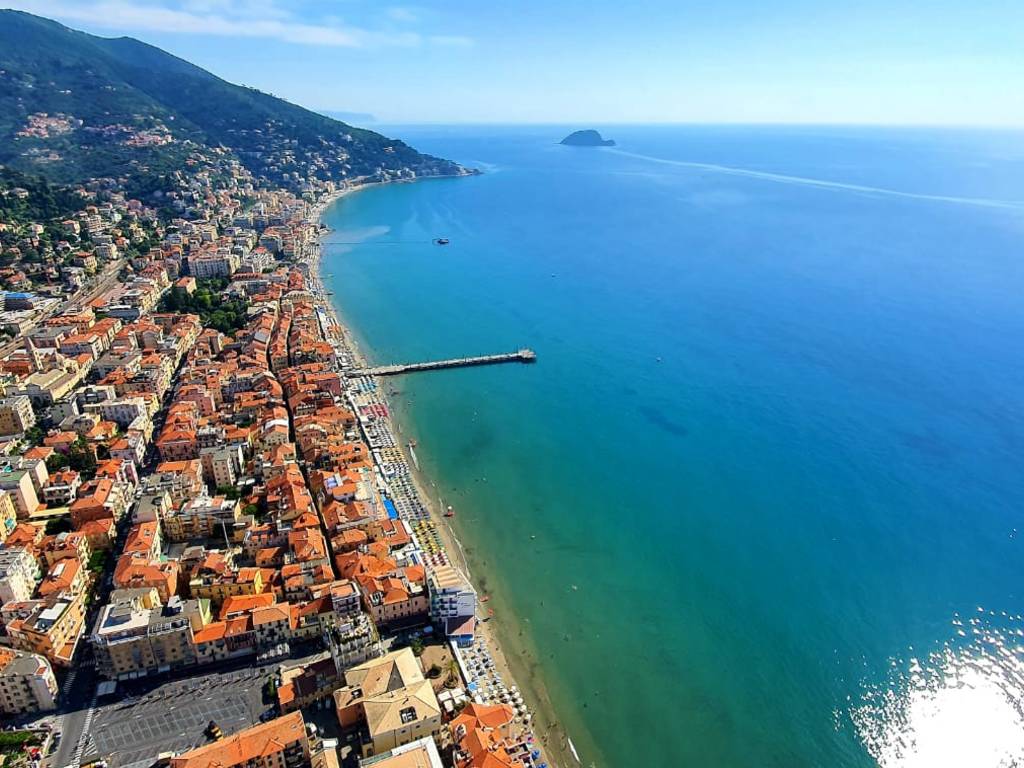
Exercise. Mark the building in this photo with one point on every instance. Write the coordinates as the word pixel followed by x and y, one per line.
pixel 280 743
pixel 391 699
pixel 183 480
pixel 18 483
pixel 483 737
pixel 52 628
pixel 122 411
pixel 27 683
pixel 19 574
pixel 202 517
pixel 8 515
pixel 222 465
pixel 62 489
pixel 353 640
pixel 208 265
pixel 135 635
pixel 302 686
pixel 421 753
pixel 452 602
pixel 16 415
pixel 65 578
pixel 65 545
pixel 98 499
pixel 44 388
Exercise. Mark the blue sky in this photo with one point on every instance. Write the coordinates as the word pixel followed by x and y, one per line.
pixel 596 61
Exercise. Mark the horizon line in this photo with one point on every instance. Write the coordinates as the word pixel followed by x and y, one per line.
pixel 685 123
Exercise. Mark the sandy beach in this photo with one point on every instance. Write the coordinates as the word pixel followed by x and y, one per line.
pixel 500 631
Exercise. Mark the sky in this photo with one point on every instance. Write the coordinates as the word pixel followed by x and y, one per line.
pixel 936 62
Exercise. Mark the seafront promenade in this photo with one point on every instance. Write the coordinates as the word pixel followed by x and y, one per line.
pixel 482 667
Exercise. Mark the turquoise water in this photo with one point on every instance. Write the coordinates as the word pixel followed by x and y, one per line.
pixel 767 470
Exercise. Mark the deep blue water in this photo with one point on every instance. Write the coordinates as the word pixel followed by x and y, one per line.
pixel 747 505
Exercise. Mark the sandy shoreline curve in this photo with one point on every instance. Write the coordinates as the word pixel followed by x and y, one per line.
pixel 519 665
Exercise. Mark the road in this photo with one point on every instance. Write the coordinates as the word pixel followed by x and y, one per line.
pixel 104 282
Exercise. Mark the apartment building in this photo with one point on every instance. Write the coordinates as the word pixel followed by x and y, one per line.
pixel 8 515
pixel 52 629
pixel 27 683
pixel 452 602
pixel 135 635
pixel 18 483
pixel 202 517
pixel 19 574
pixel 62 489
pixel 16 415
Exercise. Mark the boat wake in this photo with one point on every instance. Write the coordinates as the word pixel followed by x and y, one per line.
pixel 962 705
pixel 838 186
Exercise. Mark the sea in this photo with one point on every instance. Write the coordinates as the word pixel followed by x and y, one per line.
pixel 760 500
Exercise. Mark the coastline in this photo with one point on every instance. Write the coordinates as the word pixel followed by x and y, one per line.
pixel 496 632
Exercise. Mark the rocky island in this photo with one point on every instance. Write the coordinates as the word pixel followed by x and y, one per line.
pixel 587 138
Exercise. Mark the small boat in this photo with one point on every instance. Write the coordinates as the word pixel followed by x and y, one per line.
pixel 441 241
pixel 412 443
pixel 449 512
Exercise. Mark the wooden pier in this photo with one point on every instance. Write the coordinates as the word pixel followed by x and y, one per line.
pixel 519 356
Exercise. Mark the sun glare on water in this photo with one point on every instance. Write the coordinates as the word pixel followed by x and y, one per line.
pixel 961 706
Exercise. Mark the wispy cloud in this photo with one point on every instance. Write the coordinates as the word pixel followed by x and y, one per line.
pixel 227 18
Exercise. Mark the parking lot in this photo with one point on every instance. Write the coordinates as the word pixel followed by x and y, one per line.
pixel 174 716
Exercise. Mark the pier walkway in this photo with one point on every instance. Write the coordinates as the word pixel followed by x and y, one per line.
pixel 519 356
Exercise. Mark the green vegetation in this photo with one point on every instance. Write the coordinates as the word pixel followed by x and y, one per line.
pixel 80 458
pixel 227 316
pixel 98 561
pixel 43 202
pixel 417 646
pixel 120 87
pixel 269 689
pixel 229 492
pixel 10 739
pixel 34 435
pixel 58 525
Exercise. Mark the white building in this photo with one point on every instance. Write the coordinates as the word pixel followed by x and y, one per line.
pixel 213 265
pixel 19 574
pixel 451 596
pixel 122 411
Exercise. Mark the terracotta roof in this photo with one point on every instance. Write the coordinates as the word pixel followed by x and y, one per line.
pixel 260 741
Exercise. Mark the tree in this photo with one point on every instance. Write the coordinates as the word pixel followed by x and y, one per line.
pixel 58 525
pixel 82 459
pixel 229 492
pixel 57 462
pixel 35 435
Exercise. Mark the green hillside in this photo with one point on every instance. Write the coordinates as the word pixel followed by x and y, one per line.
pixel 75 106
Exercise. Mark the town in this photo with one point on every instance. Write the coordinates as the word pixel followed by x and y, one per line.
pixel 213 551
